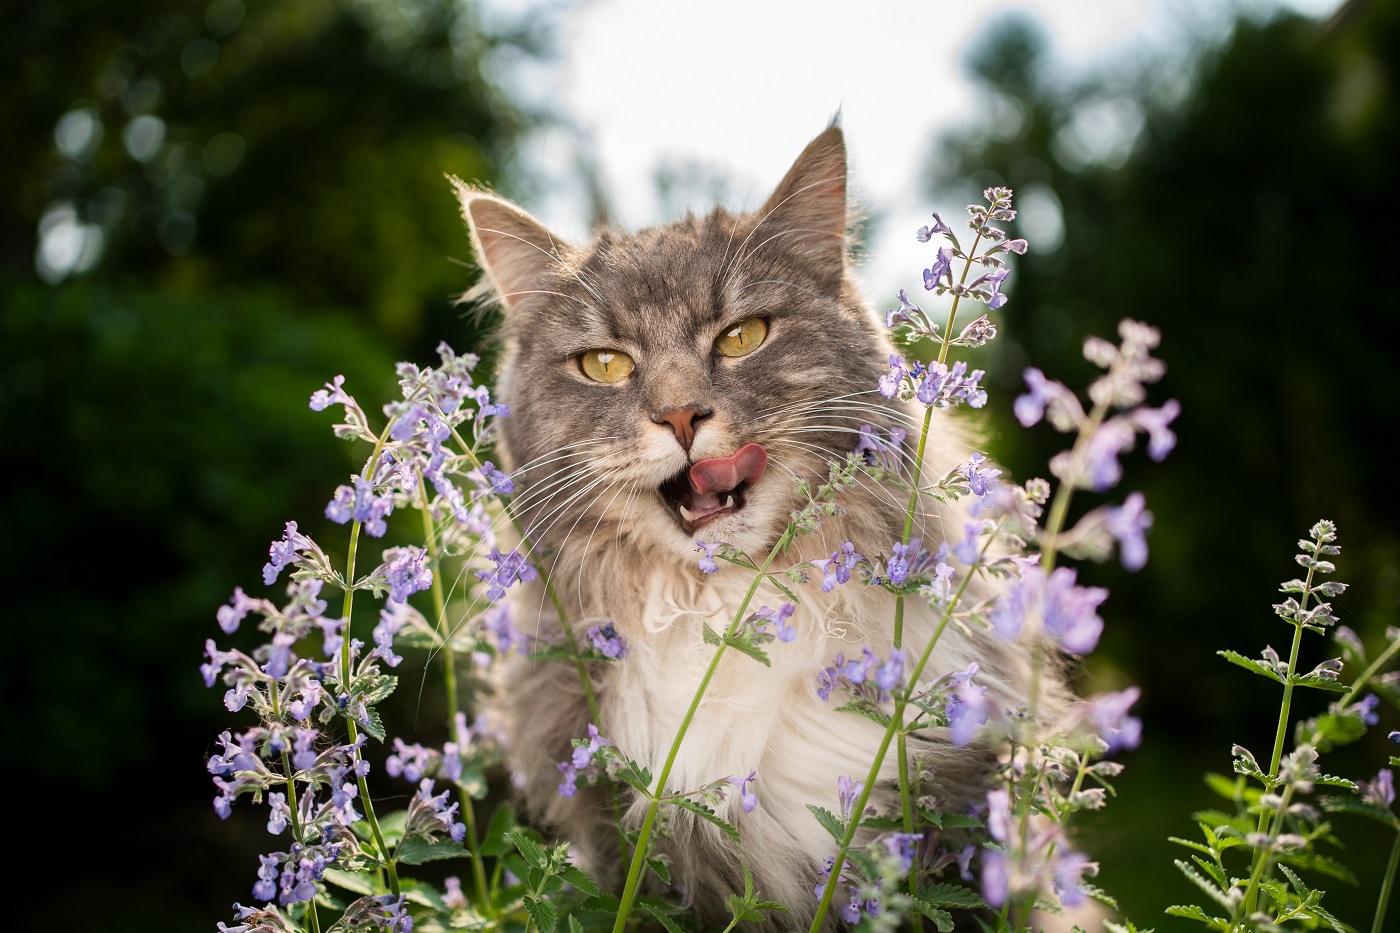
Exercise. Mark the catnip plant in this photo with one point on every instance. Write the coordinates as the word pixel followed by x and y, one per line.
pixel 364 823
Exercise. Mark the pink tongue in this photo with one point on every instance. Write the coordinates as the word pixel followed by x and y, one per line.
pixel 722 474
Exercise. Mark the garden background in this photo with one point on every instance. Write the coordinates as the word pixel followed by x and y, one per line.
pixel 211 209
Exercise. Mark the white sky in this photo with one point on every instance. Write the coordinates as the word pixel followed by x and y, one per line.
pixel 740 86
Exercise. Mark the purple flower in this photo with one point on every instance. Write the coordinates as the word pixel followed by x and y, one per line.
pixel 1047 398
pixel 924 234
pixel 1068 868
pixel 996 877
pixel 837 568
pixel 1108 712
pixel 229 616
pixel 1381 791
pixel 1128 524
pixel 1160 439
pixel 707 558
pixel 966 706
pixel 510 568
pixel 392 617
pixel 747 798
pixel 494 480
pixel 605 639
pixel 507 637
pixel 847 791
pixel 406 571
pixel 995 299
pixel 1366 709
pixel 1068 611
pixel 1394 738
pixel 980 477
pixel 890 675
pixel 898 565
pixel 942 268
pixel 785 631
pixel 1100 468
pixel 889 383
pixel 332 394
pixel 284 551
pixel 1070 614
pixel 876 450
pixel 903 846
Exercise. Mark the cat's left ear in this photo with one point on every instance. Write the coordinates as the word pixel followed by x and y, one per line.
pixel 809 206
pixel 516 251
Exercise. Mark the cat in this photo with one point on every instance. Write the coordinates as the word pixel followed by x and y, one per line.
pixel 666 387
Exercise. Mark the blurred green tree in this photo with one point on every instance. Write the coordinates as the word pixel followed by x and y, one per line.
pixel 1235 199
pixel 216 207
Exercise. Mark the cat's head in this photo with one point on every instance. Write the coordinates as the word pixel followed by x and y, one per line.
pixel 668 385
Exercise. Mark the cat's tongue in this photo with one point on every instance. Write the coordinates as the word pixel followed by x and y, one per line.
pixel 709 479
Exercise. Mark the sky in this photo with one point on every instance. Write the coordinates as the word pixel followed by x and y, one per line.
pixel 728 92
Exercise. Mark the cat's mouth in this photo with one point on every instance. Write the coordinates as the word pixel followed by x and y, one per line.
pixel 710 489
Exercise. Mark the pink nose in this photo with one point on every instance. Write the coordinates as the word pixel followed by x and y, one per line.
pixel 682 423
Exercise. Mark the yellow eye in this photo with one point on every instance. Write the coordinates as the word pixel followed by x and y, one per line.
pixel 605 365
pixel 743 338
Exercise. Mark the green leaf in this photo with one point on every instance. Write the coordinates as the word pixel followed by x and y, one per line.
pixel 379 688
pixel 740 909
pixel 416 850
pixel 1359 807
pixel 753 651
pixel 661 916
pixel 829 821
pixel 942 920
pixel 1331 780
pixel 1192 912
pixel 544 913
pixel 529 850
pixel 634 775
pixel 1213 870
pixel 1251 665
pixel 1319 683
pixel 602 904
pixel 685 803
pixel 866 710
pixel 709 635
pixel 420 892
pixel 575 925
pixel 660 869
pixel 1192 845
pixel 951 895
pixel 1205 884
pixel 578 879
pixel 502 821
pixel 374 728
pixel 359 882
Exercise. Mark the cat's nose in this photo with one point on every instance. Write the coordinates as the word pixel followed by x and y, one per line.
pixel 682 422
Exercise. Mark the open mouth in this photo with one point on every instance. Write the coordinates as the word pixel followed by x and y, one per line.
pixel 710 489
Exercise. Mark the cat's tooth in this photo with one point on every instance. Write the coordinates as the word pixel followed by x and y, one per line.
pixel 729 502
pixel 686 513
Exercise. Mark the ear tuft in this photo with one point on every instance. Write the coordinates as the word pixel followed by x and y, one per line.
pixel 515 250
pixel 809 204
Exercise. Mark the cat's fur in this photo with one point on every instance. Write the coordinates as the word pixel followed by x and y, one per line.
pixel 588 459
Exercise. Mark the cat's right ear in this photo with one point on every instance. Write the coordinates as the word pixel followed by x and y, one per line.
pixel 515 250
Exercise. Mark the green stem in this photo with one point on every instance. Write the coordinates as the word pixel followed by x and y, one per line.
pixel 634 871
pixel 901 700
pixel 1261 858
pixel 1387 883
pixel 449 677
pixel 351 726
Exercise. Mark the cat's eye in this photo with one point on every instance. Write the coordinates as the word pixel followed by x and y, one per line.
pixel 605 365
pixel 743 338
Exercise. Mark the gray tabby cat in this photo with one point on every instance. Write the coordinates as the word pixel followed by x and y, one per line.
pixel 668 386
